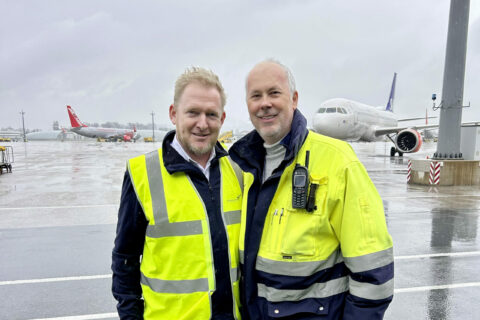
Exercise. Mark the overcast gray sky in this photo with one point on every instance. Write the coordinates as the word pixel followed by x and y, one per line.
pixel 118 60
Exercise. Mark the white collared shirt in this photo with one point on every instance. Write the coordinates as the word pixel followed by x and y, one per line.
pixel 178 147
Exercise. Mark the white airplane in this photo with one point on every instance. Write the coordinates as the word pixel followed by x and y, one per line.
pixel 353 121
pixel 111 134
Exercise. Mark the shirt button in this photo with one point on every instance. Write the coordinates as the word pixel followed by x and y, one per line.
pixel 277 311
pixel 321 308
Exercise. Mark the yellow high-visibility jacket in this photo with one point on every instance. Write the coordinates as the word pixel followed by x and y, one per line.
pixel 336 261
pixel 177 268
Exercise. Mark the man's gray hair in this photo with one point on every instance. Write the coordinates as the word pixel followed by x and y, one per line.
pixel 291 80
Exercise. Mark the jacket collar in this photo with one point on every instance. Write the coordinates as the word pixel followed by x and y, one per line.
pixel 249 152
pixel 174 162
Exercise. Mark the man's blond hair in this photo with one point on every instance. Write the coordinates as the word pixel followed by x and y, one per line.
pixel 199 75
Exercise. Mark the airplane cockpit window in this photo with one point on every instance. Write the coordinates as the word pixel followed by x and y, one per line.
pixel 333 110
pixel 321 110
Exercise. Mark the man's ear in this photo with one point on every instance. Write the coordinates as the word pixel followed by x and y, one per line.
pixel 295 100
pixel 173 114
pixel 222 119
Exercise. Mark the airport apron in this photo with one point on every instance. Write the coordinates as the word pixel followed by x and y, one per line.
pixel 177 270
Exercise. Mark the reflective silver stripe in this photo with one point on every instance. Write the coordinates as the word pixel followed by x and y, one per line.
pixel 175 286
pixel 240 256
pixel 184 228
pixel 135 188
pixel 232 217
pixel 370 261
pixel 225 220
pixel 371 291
pixel 162 226
pixel 238 172
pixel 155 182
pixel 295 268
pixel 317 290
pixel 234 274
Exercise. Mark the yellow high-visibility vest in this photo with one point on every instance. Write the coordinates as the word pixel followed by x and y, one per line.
pixel 177 269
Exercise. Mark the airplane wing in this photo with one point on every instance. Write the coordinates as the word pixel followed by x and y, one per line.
pixel 471 124
pixel 387 130
pixel 411 119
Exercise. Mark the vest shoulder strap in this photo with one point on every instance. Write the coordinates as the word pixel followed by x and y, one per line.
pixel 238 172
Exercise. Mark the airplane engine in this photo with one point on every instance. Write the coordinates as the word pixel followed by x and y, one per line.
pixel 408 140
pixel 127 138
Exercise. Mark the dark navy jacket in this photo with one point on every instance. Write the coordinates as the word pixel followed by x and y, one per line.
pixel 249 154
pixel 131 229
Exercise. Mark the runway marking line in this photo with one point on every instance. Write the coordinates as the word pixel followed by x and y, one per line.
pixel 400 290
pixel 106 276
pixel 83 317
pixel 29 281
pixel 436 255
pixel 440 287
pixel 433 196
pixel 61 207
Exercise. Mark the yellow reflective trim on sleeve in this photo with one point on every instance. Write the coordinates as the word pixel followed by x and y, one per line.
pixel 371 291
pixel 369 261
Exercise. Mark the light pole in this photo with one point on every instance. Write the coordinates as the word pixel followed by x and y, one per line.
pixel 23 124
pixel 153 127
pixel 449 130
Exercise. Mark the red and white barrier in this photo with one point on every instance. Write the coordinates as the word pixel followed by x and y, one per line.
pixel 434 172
pixel 409 172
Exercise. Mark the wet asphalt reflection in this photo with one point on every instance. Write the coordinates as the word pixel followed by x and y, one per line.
pixel 58 214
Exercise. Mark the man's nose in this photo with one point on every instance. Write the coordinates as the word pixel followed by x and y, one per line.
pixel 202 122
pixel 265 102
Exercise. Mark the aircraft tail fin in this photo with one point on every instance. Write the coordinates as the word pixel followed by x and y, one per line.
pixel 74 120
pixel 392 94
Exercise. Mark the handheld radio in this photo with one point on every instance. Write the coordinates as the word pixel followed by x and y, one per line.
pixel 300 185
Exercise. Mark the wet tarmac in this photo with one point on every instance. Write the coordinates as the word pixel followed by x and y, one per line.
pixel 58 214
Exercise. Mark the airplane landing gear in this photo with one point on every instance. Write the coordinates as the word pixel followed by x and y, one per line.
pixel 394 150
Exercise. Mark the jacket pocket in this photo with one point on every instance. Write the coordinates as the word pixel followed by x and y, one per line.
pixel 301 233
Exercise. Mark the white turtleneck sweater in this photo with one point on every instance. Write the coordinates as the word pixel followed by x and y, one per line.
pixel 273 157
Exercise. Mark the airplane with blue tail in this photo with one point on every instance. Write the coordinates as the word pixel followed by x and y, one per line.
pixel 354 121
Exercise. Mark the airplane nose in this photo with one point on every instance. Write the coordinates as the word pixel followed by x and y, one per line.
pixel 332 125
pixel 322 123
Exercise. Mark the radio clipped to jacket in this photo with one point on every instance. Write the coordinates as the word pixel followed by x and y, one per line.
pixel 299 187
pixel 301 198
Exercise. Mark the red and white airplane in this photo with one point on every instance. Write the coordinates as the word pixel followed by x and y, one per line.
pixel 111 134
